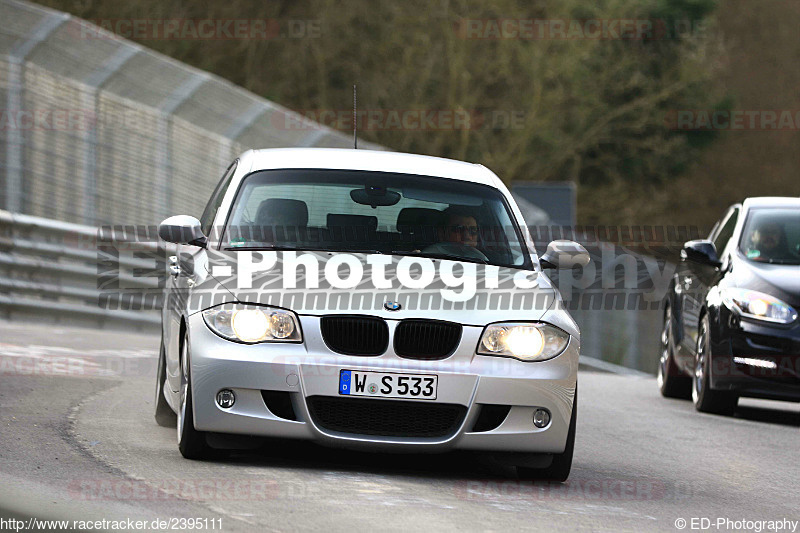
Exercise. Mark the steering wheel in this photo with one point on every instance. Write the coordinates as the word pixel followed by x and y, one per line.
pixel 456 250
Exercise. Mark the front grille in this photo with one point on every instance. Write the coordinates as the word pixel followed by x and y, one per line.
pixel 426 339
pixel 389 418
pixel 355 335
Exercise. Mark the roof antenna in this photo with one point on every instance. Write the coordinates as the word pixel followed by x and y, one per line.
pixel 355 121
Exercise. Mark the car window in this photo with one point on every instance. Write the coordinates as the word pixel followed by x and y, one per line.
pixel 726 231
pixel 772 235
pixel 324 200
pixel 346 210
pixel 713 232
pixel 210 212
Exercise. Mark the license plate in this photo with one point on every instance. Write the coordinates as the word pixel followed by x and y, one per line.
pixel 388 385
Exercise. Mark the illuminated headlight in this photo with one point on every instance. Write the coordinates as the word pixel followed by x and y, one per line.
pixel 532 341
pixel 753 304
pixel 252 323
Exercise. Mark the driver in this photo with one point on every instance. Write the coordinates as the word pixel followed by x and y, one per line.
pixel 766 242
pixel 462 229
pixel 459 235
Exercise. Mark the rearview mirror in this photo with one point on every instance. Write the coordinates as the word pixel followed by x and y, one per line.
pixel 565 254
pixel 182 229
pixel 374 196
pixel 701 251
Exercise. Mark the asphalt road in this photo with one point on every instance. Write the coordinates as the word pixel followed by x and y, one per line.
pixel 78 441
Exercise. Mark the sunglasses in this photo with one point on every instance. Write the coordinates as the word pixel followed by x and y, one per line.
pixel 471 230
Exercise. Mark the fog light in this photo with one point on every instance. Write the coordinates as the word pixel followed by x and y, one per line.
pixel 226 398
pixel 541 417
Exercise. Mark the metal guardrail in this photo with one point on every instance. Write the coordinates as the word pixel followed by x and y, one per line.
pixel 53 269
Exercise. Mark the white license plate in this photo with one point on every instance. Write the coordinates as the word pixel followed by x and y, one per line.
pixel 388 385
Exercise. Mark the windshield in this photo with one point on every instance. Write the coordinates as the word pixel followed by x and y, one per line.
pixel 772 236
pixel 374 212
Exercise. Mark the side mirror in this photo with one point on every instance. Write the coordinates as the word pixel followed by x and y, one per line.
pixel 565 254
pixel 182 229
pixel 702 252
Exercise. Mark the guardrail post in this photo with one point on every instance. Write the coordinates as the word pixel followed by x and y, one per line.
pixel 164 129
pixel 96 80
pixel 246 119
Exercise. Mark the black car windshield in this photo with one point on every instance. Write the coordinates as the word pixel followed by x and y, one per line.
pixel 374 212
pixel 772 235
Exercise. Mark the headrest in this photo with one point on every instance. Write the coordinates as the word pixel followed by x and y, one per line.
pixel 282 212
pixel 418 217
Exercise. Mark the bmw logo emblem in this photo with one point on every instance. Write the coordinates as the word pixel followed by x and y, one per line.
pixel 392 306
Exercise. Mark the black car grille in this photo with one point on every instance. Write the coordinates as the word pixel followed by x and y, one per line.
pixel 388 418
pixel 355 335
pixel 426 339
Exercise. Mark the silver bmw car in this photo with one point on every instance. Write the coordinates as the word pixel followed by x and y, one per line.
pixel 372 300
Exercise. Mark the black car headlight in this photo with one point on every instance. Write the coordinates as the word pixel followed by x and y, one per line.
pixel 253 323
pixel 526 341
pixel 759 306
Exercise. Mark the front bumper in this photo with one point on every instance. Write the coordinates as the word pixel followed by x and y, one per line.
pixel 311 369
pixel 743 363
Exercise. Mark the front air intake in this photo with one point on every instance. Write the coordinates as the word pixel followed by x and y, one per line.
pixel 388 418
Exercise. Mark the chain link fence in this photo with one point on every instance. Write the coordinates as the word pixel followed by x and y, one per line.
pixel 98 130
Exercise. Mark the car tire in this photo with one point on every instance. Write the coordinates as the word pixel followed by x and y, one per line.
pixel 191 443
pixel 671 381
pixel 164 415
pixel 560 468
pixel 706 399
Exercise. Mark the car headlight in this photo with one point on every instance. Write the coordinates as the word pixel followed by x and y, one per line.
pixel 760 306
pixel 526 341
pixel 253 323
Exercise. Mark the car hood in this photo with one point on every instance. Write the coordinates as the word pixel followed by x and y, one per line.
pixel 515 295
pixel 781 281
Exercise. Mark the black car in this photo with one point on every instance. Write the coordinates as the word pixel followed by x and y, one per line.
pixel 731 326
